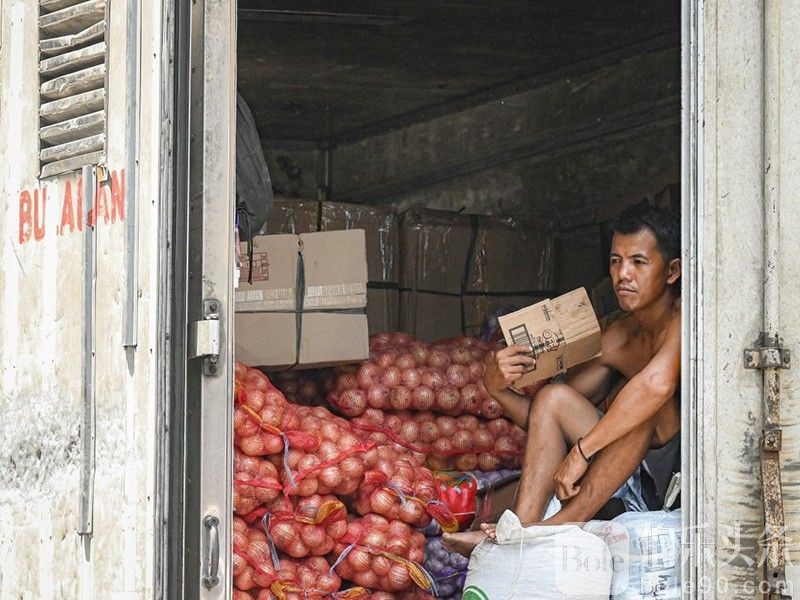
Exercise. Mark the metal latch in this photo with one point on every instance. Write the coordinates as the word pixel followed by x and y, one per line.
pixel 768 353
pixel 204 338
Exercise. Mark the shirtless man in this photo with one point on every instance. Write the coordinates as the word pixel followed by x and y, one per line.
pixel 578 449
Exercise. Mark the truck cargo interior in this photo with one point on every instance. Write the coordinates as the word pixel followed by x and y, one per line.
pixel 482 146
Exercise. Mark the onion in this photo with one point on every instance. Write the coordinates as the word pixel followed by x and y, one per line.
pixel 483 439
pixel 457 375
pixel 400 398
pixel 433 379
pixel 359 560
pixel 410 431
pixel 462 440
pixel 448 399
pixel 460 356
pixel 422 398
pixel 398 577
pixel 505 444
pixel 429 431
pixel 466 462
pixel 352 402
pixel 381 566
pixel 438 359
pixel 476 371
pixel 499 427
pixel 448 426
pixel 420 353
pixel 375 539
pixel 491 409
pixel 405 361
pixel 410 378
pixel 442 447
pixel 378 396
pixel 367 373
pixel 391 377
pixel 385 359
pixel 470 399
pixel 487 462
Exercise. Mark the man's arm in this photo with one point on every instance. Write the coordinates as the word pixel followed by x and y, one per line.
pixel 503 368
pixel 643 396
pixel 593 379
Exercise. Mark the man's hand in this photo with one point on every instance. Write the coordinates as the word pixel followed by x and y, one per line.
pixel 568 475
pixel 505 366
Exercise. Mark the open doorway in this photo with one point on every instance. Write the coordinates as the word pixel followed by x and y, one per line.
pixel 560 115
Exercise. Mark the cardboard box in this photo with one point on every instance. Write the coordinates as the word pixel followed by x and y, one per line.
pixel 383 310
pixel 477 307
pixel 434 247
pixel 297 216
pixel 306 305
pixel 430 317
pixel 489 261
pixel 563 332
pixel 512 255
pixel 380 225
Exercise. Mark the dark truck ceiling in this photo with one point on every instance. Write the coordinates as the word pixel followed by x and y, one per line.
pixel 324 72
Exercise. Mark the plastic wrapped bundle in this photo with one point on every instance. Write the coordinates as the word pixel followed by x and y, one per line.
pixel 646 549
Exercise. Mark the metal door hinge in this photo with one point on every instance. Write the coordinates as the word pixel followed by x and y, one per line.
pixel 204 338
pixel 768 353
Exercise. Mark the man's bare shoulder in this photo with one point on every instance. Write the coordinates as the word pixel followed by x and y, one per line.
pixel 615 337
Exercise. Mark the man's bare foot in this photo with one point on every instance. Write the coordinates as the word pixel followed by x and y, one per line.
pixel 490 529
pixel 463 543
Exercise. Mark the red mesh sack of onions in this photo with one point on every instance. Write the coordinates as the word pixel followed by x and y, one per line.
pixel 412 595
pixel 263 421
pixel 334 465
pixel 403 373
pixel 301 387
pixel 464 443
pixel 255 570
pixel 398 488
pixel 303 527
pixel 252 560
pixel 382 555
pixel 255 482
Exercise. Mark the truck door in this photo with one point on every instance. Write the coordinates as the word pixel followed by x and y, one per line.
pixel 198 545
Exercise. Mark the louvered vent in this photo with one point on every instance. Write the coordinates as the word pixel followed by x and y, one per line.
pixel 72 72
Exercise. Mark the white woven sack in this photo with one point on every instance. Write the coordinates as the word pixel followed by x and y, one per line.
pixel 560 562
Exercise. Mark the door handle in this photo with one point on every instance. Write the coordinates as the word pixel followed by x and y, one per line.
pixel 211 559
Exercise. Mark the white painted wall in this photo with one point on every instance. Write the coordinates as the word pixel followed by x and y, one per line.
pixel 41 556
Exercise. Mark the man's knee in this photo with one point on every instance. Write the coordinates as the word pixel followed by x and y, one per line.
pixel 549 399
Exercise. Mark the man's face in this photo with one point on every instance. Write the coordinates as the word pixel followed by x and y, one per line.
pixel 638 270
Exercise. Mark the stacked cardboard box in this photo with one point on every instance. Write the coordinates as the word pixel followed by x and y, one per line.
pixel 305 307
pixel 381 234
pixel 458 268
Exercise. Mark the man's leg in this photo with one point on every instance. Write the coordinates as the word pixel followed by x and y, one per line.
pixel 557 417
pixel 609 470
